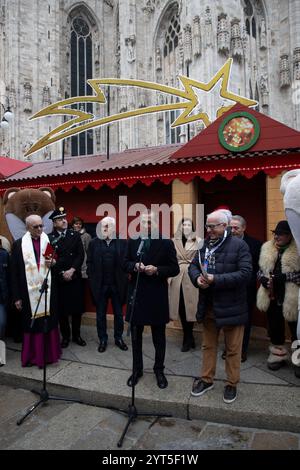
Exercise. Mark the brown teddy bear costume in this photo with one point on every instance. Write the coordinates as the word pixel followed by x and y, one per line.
pixel 20 203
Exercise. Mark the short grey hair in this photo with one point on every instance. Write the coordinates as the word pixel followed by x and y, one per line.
pixel 108 220
pixel 31 219
pixel 228 214
pixel 220 215
pixel 240 219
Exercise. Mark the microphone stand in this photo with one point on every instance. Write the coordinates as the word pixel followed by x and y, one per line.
pixel 43 394
pixel 132 411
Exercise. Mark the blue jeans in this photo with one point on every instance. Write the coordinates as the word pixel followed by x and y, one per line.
pixel 106 293
pixel 2 320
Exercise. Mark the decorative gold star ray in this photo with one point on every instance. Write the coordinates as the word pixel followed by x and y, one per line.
pixel 83 120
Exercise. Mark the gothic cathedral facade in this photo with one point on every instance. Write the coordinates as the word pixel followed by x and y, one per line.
pixel 50 48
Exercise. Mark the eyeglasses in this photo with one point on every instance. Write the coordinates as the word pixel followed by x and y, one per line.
pixel 212 226
pixel 38 226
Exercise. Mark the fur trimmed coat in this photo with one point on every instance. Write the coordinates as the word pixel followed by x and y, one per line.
pixel 290 262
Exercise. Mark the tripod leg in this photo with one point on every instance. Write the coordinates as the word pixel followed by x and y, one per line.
pixel 130 419
pixel 157 415
pixel 53 397
pixel 31 409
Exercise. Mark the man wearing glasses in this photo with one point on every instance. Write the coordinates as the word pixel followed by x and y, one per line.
pixel 29 267
pixel 70 256
pixel 221 270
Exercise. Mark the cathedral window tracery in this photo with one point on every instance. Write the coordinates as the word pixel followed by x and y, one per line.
pixel 81 70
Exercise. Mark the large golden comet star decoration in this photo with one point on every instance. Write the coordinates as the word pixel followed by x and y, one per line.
pixel 84 120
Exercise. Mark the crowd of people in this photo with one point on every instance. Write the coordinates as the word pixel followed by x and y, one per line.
pixel 217 282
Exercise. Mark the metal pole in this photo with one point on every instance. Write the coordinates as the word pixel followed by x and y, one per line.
pixel 63 142
pixel 188 126
pixel 108 128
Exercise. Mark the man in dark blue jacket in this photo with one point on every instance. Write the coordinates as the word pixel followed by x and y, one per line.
pixel 221 271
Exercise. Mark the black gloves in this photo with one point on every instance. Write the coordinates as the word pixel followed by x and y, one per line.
pixel 264 281
pixel 279 278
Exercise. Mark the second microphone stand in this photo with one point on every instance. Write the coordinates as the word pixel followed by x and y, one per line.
pixel 43 394
pixel 132 410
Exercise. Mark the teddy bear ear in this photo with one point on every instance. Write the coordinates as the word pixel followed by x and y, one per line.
pixel 49 192
pixel 9 193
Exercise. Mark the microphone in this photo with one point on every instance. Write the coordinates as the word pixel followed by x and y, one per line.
pixel 140 248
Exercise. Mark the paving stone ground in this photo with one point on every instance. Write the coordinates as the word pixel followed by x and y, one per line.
pixel 72 426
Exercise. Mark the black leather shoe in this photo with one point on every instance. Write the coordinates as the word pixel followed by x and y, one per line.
pixel 185 347
pixel 79 341
pixel 188 344
pixel 244 356
pixel 136 376
pixel 161 380
pixel 64 343
pixel 102 346
pixel 120 343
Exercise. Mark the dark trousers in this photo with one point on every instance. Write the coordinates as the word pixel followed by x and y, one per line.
pixel 276 325
pixel 65 326
pixel 187 326
pixel 159 342
pixel 106 293
pixel 248 325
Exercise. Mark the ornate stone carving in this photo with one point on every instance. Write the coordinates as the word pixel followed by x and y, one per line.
pixel 188 44
pixel 130 44
pixel 97 52
pixel 208 28
pixel 159 101
pixel 2 15
pixel 263 35
pixel 142 98
pixel 25 147
pixel 158 59
pixel 47 153
pixel 131 97
pixel 27 97
pixel 245 41
pixel 180 51
pixel 236 40
pixel 264 90
pixel 223 34
pixel 296 60
pixel 199 126
pixel 46 96
pixel 149 7
pixel 196 36
pixel 123 100
pixel 118 58
pixel 12 95
pixel 285 76
pixel 98 137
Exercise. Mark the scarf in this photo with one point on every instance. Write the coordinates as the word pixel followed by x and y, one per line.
pixel 35 274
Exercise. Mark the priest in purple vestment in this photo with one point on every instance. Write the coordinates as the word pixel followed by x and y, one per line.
pixel 29 267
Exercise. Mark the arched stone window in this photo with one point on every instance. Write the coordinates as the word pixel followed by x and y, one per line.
pixel 256 54
pixel 81 47
pixel 169 64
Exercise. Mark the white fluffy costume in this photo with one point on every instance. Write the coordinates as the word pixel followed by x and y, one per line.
pixel 290 187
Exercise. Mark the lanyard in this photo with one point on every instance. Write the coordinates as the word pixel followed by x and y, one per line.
pixel 209 253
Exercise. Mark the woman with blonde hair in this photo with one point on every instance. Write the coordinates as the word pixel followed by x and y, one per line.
pixel 183 296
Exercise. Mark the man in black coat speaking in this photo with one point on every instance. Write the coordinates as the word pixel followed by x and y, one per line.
pixel 158 263
pixel 221 271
